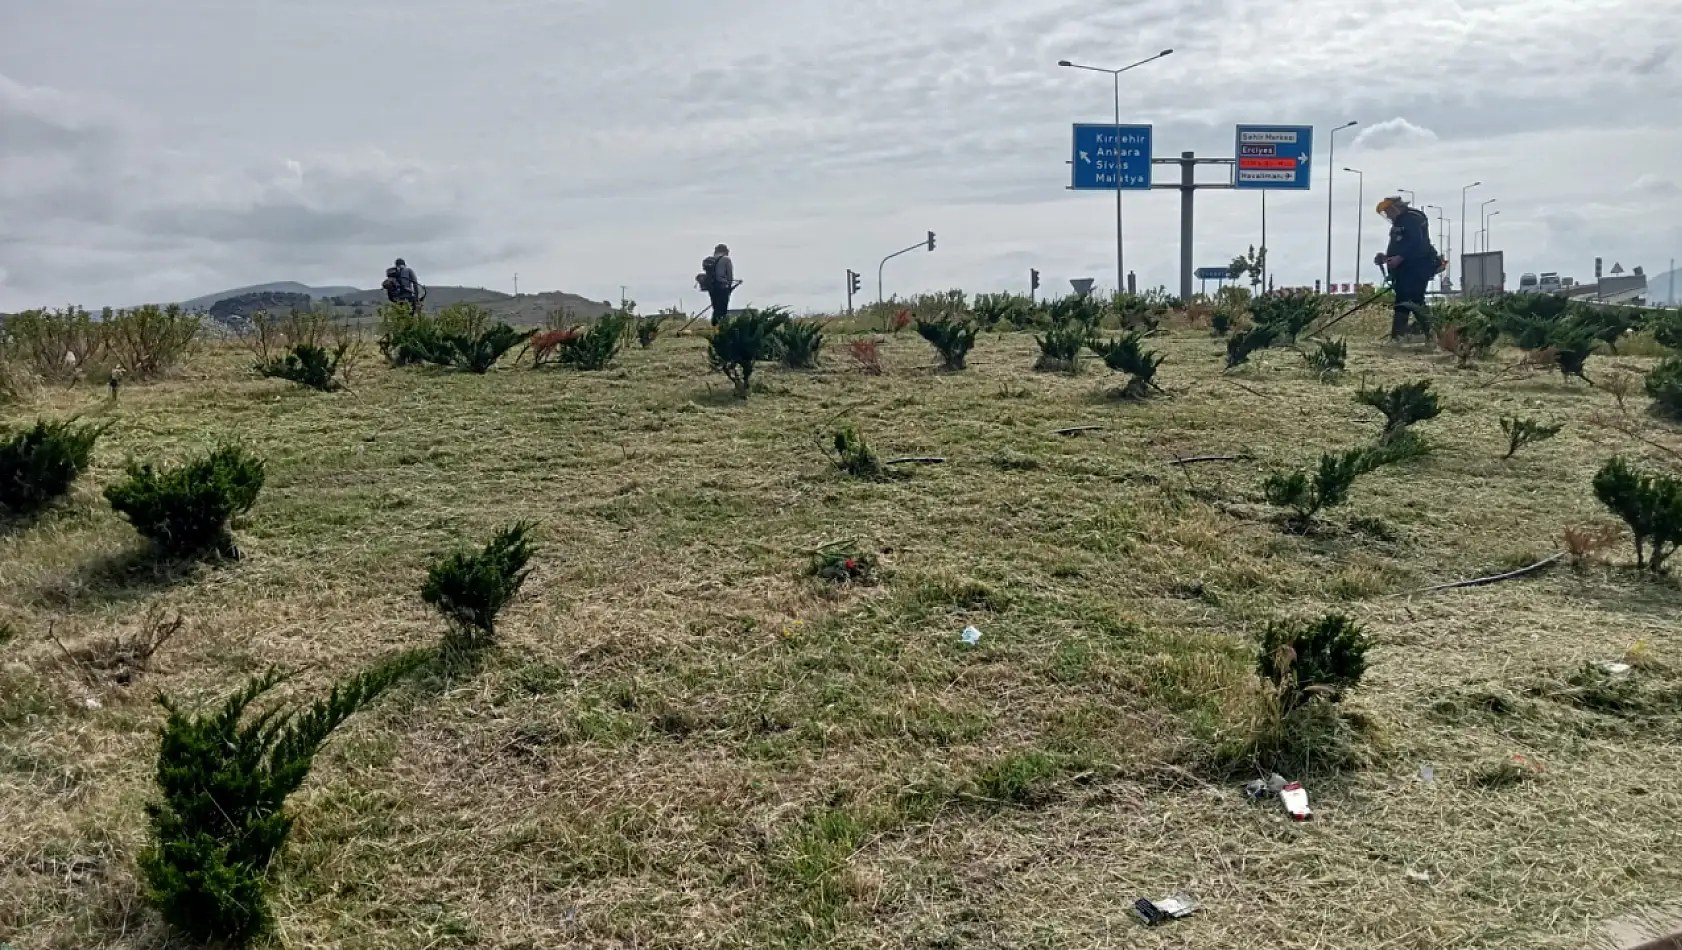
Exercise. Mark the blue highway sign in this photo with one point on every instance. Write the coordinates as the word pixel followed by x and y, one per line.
pixel 1274 157
pixel 1214 273
pixel 1104 153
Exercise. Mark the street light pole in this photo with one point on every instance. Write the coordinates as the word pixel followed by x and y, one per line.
pixel 1408 192
pixel 1360 205
pixel 1483 218
pixel 1115 76
pixel 1331 177
pixel 1486 223
pixel 1463 223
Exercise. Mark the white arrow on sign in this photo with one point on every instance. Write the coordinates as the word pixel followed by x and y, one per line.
pixel 1302 159
pixel 1086 158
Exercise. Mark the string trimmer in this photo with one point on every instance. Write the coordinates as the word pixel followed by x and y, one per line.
pixel 1383 289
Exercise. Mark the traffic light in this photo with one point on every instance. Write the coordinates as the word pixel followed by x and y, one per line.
pixel 1033 279
pixel 931 240
pixel 854 278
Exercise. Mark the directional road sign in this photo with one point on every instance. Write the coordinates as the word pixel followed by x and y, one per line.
pixel 1214 273
pixel 1105 152
pixel 1274 157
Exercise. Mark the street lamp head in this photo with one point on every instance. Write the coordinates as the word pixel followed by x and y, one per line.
pixel 1355 170
pixel 1350 124
pixel 1165 52
pixel 1064 62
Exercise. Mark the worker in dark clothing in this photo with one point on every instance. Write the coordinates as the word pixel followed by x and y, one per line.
pixel 1411 261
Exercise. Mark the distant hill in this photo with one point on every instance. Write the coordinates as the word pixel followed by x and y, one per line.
pixel 1658 287
pixel 526 309
pixel 278 287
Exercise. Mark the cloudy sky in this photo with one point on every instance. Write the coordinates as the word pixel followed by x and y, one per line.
pixel 159 150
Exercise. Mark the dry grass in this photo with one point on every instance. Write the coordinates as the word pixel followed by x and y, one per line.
pixel 686 741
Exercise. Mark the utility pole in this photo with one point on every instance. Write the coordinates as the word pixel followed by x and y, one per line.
pixel 1331 177
pixel 1463 226
pixel 1115 76
pixel 516 283
pixel 1360 216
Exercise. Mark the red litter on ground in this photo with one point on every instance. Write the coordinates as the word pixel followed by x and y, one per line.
pixel 1295 799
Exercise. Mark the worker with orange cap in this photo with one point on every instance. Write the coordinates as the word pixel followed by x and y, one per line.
pixel 1411 261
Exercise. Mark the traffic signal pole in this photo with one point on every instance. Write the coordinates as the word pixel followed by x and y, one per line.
pixel 926 242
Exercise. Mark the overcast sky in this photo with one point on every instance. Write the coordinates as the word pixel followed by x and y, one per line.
pixel 159 150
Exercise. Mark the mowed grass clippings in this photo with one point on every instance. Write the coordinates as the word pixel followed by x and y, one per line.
pixel 685 740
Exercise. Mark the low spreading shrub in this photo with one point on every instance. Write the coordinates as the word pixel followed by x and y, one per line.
pixel 1061 346
pixel 1241 345
pixel 186 510
pixel 1523 432
pixel 1306 495
pixel 1288 313
pixel 593 349
pixel 1327 358
pixel 221 818
pixel 39 464
pixel 742 341
pixel 1402 405
pixel 479 352
pixel 1651 505
pixel 308 365
pixel 1126 354
pixel 1664 384
pixel 798 343
pixel 952 338
pixel 470 588
pixel 1306 660
pixel 854 456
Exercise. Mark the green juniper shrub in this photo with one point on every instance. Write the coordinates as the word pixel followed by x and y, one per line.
pixel 221 817
pixel 1664 384
pixel 799 342
pixel 1126 354
pixel 1135 311
pixel 1402 405
pixel 995 311
pixel 844 563
pixel 1240 345
pixel 1572 344
pixel 854 456
pixel 1327 358
pixel 1220 321
pixel 952 338
pixel 1303 660
pixel 469 588
pixel 1650 504
pixel 1081 309
pixel 39 464
pixel 1606 324
pixel 648 328
pixel 186 510
pixel 1667 328
pixel 1523 432
pixel 1289 313
pixel 1466 331
pixel 1061 346
pixel 479 352
pixel 741 341
pixel 595 348
pixel 1306 495
pixel 308 365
